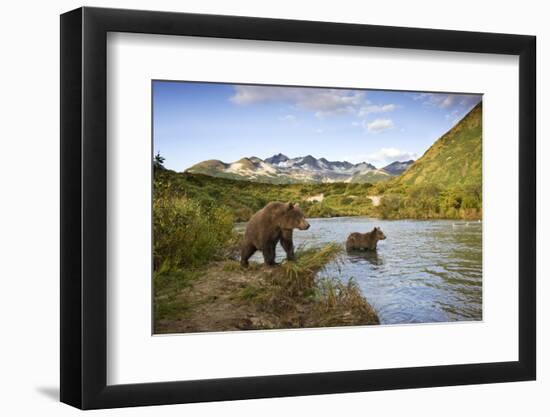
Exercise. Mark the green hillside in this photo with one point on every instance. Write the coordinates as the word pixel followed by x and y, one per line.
pixel 446 182
pixel 243 198
pixel 454 159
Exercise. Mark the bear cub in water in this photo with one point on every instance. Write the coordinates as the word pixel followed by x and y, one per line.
pixel 365 241
pixel 274 223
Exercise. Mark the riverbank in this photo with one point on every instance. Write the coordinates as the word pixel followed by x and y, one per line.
pixel 223 296
pixel 244 198
pixel 241 199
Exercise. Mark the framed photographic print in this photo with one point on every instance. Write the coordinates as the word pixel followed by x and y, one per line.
pixel 258 207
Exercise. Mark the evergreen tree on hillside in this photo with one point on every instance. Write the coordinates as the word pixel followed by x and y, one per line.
pixel 158 161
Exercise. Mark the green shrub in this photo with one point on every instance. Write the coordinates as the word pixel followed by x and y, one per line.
pixel 319 210
pixel 389 205
pixel 432 201
pixel 346 201
pixel 185 234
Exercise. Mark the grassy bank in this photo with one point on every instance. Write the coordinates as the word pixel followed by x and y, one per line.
pixel 432 201
pixel 243 198
pixel 223 296
pixel 199 284
pixel 238 199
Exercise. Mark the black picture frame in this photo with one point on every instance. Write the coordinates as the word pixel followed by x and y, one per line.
pixel 84 207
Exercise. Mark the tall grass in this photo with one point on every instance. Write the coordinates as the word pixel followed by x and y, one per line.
pixel 308 262
pixel 431 202
pixel 186 234
pixel 294 295
pixel 342 304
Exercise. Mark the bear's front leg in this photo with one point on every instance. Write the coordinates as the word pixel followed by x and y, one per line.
pixel 287 244
pixel 247 250
pixel 269 253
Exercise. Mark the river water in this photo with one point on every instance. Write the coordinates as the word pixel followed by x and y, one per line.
pixel 424 272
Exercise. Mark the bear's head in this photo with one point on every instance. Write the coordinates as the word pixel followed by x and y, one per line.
pixel 293 218
pixel 378 233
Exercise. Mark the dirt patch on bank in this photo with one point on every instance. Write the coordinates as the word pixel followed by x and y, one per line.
pixel 225 297
pixel 212 301
pixel 376 199
pixel 316 198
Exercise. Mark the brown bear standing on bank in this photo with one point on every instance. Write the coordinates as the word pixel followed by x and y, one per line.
pixel 365 241
pixel 270 225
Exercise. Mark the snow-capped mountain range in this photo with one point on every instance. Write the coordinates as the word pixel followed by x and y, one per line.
pixel 281 169
pixel 397 167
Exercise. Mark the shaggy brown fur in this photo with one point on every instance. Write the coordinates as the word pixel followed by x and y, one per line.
pixel 274 223
pixel 365 241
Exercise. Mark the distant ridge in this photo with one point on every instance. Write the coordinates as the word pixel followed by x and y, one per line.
pixel 280 169
pixel 397 168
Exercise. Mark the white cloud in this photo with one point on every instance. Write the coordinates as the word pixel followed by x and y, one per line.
pixel 446 101
pixel 470 100
pixel 323 102
pixel 454 116
pixel 290 118
pixel 420 96
pixel 379 125
pixel 375 108
pixel 386 156
pixel 436 99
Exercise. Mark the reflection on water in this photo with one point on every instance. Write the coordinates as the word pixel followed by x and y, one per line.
pixel 361 256
pixel 425 271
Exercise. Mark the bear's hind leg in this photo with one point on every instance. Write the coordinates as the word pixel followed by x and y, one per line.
pixel 269 254
pixel 247 251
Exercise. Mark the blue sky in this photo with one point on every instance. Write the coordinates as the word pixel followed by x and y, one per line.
pixel 195 121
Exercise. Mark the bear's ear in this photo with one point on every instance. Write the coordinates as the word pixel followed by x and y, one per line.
pixel 290 205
